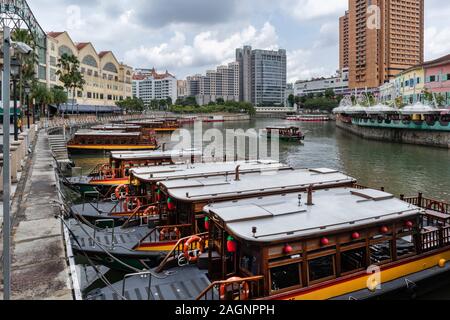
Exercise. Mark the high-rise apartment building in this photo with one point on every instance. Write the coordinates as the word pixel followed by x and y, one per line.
pixel 221 83
pixel 149 85
pixel 344 41
pixel 385 37
pixel 262 76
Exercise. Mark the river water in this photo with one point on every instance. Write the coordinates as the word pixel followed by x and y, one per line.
pixel 401 169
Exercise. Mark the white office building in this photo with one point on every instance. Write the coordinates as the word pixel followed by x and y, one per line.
pixel 149 85
pixel 338 83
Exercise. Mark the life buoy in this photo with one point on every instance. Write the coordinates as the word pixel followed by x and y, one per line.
pixel 434 204
pixel 150 211
pixel 118 192
pixel 131 203
pixel 187 245
pixel 244 292
pixel 164 232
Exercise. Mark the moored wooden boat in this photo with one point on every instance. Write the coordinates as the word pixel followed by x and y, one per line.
pixel 94 140
pixel 343 243
pixel 181 201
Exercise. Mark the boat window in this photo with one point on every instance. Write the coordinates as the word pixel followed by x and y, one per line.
pixel 405 246
pixel 352 260
pixel 249 263
pixel 380 252
pixel 285 276
pixel 321 268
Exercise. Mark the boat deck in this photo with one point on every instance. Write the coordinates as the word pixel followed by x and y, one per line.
pixel 182 283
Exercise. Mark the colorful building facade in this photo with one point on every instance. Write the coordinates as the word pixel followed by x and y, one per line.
pixel 410 84
pixel 437 77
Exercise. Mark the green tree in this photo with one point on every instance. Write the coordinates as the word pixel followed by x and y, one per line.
pixel 329 94
pixel 42 96
pixel 291 100
pixel 69 74
pixel 59 95
pixel 440 100
pixel 131 104
pixel 220 101
pixel 169 101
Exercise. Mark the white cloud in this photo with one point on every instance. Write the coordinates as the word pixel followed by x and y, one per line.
pixel 206 49
pixel 437 42
pixel 301 66
pixel 304 10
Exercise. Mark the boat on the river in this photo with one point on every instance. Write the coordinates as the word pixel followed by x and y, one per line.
pixel 132 200
pixel 286 133
pixel 179 212
pixel 162 125
pixel 117 127
pixel 106 176
pixel 212 119
pixel 102 140
pixel 341 243
pixel 309 118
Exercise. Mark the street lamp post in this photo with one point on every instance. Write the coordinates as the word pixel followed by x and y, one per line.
pixel 27 90
pixel 15 73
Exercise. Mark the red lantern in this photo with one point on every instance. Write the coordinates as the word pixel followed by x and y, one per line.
pixel 325 241
pixel 287 249
pixel 384 229
pixel 409 224
pixel 206 223
pixel 231 245
pixel 170 204
pixel 356 236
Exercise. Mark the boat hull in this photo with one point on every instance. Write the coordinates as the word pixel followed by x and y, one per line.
pixel 73 148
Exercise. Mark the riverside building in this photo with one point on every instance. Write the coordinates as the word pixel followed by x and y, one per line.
pixel 107 79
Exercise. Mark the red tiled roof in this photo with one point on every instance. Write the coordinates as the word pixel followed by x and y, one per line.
pixel 153 74
pixel 103 53
pixel 54 34
pixel 138 77
pixel 81 45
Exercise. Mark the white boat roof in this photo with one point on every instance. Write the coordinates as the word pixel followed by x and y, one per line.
pixel 144 155
pixel 381 108
pixel 115 127
pixel 354 109
pixel 260 184
pixel 107 133
pixel 187 171
pixel 281 218
pixel 420 108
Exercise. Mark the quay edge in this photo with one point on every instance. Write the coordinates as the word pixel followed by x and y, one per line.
pixel 438 139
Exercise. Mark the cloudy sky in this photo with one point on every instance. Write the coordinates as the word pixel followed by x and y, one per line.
pixel 191 36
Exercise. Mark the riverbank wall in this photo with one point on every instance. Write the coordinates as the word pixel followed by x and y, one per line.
pixel 437 139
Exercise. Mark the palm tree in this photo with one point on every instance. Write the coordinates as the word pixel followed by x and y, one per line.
pixel 69 74
pixel 28 62
pixel 42 95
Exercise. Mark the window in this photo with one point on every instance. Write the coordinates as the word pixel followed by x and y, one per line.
pixel 321 268
pixel 405 246
pixel 380 252
pixel 285 277
pixel 432 78
pixel 110 67
pixel 90 61
pixel 65 50
pixel 352 260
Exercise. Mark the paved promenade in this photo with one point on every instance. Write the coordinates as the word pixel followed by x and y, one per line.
pixel 39 268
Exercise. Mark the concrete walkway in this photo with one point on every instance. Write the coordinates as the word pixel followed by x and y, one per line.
pixel 39 269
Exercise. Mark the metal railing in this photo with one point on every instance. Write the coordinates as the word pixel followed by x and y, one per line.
pixel 178 250
pixel 234 289
pixel 428 203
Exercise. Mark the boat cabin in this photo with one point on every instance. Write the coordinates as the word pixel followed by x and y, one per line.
pixel 111 140
pixel 313 245
pixel 289 133
pixel 157 125
pixel 182 201
pixel 117 127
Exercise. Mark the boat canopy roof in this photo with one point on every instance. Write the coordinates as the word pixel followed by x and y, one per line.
pixel 107 133
pixel 115 127
pixel 264 183
pixel 282 128
pixel 155 155
pixel 285 217
pixel 380 109
pixel 187 171
pixel 420 108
